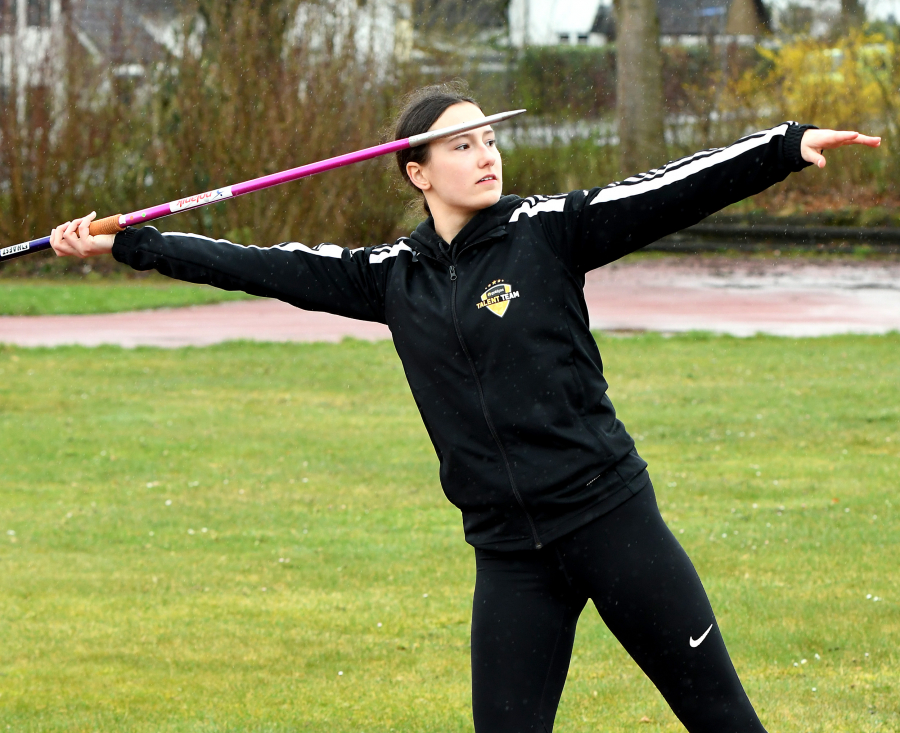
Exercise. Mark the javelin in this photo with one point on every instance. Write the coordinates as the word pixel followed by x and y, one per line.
pixel 116 223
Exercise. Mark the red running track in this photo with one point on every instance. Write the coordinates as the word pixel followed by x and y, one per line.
pixel 723 295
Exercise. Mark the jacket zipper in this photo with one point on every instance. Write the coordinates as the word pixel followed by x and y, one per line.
pixel 490 423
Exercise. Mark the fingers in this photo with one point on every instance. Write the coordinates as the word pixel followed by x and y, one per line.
pixel 827 139
pixel 73 239
pixel 872 142
pixel 836 138
pixel 846 137
pixel 61 248
pixel 84 235
pixel 84 228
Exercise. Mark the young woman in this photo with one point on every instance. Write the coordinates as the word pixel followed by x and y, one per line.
pixel 485 303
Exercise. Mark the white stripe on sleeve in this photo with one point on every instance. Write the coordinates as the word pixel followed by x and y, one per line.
pixel 542 203
pixel 322 250
pixel 617 191
pixel 380 254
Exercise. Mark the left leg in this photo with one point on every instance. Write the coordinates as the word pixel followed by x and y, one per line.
pixel 648 593
pixel 523 625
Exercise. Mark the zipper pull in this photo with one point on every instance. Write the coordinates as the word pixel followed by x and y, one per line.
pixel 452 273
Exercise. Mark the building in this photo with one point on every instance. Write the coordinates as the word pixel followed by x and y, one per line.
pixel 122 35
pixel 126 37
pixel 27 31
pixel 690 21
pixel 556 22
pixel 592 22
pixel 126 34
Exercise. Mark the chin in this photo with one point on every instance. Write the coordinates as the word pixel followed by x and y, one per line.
pixel 489 198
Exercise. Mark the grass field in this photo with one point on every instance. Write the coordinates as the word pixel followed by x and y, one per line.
pixel 253 538
pixel 32 297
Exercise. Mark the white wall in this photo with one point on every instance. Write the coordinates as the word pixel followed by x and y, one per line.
pixel 883 9
pixel 541 22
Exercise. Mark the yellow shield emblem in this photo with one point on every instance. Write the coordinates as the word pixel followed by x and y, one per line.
pixel 493 299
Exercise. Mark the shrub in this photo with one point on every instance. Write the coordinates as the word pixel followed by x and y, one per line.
pixel 847 83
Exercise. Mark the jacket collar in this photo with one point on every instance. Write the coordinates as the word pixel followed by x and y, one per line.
pixel 486 224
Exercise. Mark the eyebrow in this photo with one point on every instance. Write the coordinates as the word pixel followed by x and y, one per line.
pixel 466 134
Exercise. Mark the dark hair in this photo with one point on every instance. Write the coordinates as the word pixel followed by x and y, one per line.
pixel 421 110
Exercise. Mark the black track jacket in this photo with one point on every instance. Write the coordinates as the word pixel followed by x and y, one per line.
pixel 492 328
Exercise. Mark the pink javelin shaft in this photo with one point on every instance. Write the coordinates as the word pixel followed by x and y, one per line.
pixel 113 224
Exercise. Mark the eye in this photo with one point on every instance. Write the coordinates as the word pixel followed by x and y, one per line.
pixel 491 142
pixel 460 147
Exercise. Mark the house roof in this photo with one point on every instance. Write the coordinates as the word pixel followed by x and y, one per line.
pixel 124 31
pixel 605 21
pixel 702 17
pixel 689 17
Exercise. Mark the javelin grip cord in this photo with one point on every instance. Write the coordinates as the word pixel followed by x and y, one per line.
pixel 109 225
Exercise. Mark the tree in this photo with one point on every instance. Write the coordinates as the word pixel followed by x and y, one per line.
pixel 853 13
pixel 639 95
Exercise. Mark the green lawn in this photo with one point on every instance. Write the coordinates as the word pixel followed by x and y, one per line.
pixel 57 297
pixel 203 539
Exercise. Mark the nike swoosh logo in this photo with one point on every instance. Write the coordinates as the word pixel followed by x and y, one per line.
pixel 699 641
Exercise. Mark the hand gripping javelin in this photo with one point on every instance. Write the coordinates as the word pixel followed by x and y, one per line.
pixel 116 223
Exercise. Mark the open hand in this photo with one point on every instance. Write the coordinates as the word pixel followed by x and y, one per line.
pixel 815 142
pixel 74 239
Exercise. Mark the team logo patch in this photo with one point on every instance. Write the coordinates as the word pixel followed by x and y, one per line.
pixel 496 297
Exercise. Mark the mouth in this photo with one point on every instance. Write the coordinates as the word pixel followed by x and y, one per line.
pixel 488 178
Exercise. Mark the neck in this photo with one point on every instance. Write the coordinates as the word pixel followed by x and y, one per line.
pixel 449 221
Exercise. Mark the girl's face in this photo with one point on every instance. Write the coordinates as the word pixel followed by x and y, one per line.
pixel 463 173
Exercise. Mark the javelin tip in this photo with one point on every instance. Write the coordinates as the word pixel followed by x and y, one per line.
pixel 427 137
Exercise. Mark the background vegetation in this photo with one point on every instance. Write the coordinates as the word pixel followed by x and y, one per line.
pixel 259 94
pixel 252 538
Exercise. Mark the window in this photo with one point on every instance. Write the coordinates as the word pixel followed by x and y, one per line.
pixel 8 16
pixel 563 37
pixel 582 39
pixel 39 13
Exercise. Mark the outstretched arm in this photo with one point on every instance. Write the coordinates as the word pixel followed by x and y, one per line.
pixel 325 277
pixel 601 225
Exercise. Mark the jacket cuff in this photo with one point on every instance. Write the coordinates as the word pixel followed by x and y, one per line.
pixel 792 139
pixel 125 242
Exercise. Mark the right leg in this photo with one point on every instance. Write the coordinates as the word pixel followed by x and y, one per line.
pixel 651 598
pixel 523 625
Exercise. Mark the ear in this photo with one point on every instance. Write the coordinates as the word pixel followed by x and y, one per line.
pixel 417 175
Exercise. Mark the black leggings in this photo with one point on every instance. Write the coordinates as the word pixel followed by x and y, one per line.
pixel 640 579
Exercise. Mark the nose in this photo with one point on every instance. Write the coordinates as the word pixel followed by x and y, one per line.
pixel 489 154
